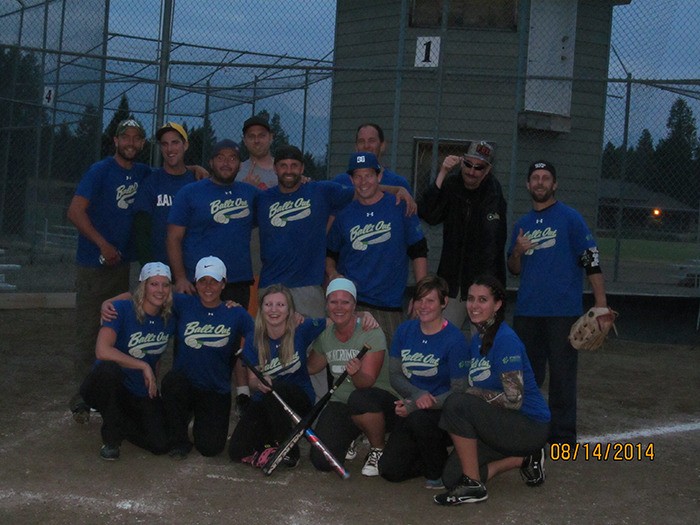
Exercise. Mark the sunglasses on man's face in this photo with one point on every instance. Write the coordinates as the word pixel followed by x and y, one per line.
pixel 475 167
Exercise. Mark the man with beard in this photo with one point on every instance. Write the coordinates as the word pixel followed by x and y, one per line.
pixel 102 211
pixel 468 200
pixel 549 248
pixel 215 216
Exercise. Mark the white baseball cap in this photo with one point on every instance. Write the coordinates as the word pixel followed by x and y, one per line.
pixel 210 266
pixel 152 269
pixel 342 284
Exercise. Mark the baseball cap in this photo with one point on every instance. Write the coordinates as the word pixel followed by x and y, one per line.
pixel 129 123
pixel 172 126
pixel 542 165
pixel 481 150
pixel 256 121
pixel 153 269
pixel 224 144
pixel 363 159
pixel 289 152
pixel 342 284
pixel 210 266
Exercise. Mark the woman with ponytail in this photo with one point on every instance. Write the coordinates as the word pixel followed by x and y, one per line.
pixel 501 421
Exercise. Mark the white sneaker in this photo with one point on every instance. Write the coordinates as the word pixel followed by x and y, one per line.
pixel 352 450
pixel 371 467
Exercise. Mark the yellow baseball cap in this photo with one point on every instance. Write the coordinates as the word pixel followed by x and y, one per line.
pixel 172 126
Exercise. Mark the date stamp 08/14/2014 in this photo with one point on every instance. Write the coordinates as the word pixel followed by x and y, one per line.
pixel 601 452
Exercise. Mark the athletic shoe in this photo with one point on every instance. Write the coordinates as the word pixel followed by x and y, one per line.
pixel 242 402
pixel 371 467
pixel 80 409
pixel 180 452
pixel 352 450
pixel 434 484
pixel 532 469
pixel 109 452
pixel 467 491
pixel 291 459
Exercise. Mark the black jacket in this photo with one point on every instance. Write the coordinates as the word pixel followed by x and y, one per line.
pixel 474 229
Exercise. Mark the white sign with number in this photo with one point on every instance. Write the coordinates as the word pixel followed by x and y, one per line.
pixel 49 94
pixel 427 51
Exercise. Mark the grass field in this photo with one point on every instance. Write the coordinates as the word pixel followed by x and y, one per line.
pixel 645 250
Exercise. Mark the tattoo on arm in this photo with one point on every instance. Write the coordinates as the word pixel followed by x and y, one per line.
pixel 512 395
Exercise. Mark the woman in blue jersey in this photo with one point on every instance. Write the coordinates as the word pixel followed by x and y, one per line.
pixel 279 351
pixel 198 388
pixel 501 421
pixel 122 384
pixel 426 361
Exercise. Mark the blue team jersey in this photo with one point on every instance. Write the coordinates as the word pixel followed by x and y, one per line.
pixel 205 338
pixel 507 354
pixel 295 371
pixel 155 197
pixel 551 277
pixel 144 341
pixel 372 243
pixel 293 232
pixel 389 178
pixel 430 362
pixel 219 221
pixel 111 191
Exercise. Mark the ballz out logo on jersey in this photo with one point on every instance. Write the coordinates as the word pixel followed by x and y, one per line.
pixel 215 336
pixel 153 344
pixel 282 213
pixel 276 368
pixel 229 209
pixel 362 236
pixel 419 364
pixel 541 239
pixel 480 370
pixel 126 195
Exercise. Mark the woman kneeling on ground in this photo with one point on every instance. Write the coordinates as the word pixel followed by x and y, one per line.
pixel 122 385
pixel 364 403
pixel 501 421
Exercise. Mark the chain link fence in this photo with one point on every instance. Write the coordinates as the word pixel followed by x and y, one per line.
pixel 71 69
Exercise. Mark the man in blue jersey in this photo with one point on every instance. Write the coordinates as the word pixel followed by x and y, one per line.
pixel 370 243
pixel 215 216
pixel 155 196
pixel 550 249
pixel 102 211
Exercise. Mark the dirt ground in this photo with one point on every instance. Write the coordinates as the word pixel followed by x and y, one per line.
pixel 630 393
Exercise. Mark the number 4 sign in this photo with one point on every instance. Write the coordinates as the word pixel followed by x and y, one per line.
pixel 49 94
pixel 427 51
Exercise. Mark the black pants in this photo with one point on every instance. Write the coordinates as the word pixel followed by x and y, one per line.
pixel 336 429
pixel 500 433
pixel 211 411
pixel 265 423
pixel 546 341
pixel 416 447
pixel 139 420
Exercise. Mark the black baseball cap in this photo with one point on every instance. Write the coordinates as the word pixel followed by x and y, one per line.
pixel 256 121
pixel 289 152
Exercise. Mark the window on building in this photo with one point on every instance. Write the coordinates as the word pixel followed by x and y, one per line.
pixel 472 14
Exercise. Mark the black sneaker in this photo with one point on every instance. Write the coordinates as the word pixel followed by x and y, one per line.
pixel 467 491
pixel 291 460
pixel 80 409
pixel 180 452
pixel 109 452
pixel 532 469
pixel 242 402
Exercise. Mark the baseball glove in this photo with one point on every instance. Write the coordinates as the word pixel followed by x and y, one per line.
pixel 590 330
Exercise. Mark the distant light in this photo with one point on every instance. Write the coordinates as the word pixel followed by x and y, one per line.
pixel 656 213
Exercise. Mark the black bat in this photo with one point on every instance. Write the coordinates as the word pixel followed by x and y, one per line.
pixel 310 435
pixel 303 425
